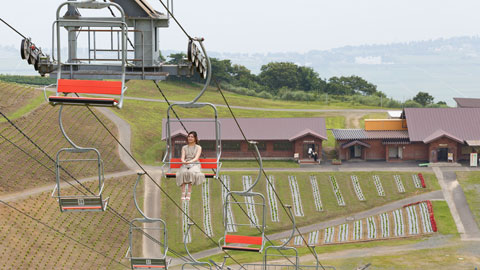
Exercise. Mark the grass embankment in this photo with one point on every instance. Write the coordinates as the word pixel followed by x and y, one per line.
pixel 16 100
pixel 20 171
pixel 145 119
pixel 470 182
pixel 187 91
pixel 331 208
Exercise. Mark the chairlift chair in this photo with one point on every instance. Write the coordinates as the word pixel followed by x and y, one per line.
pixel 140 225
pixel 193 262
pixel 96 86
pixel 239 242
pixel 206 163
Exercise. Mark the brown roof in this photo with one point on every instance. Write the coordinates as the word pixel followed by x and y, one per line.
pixel 459 123
pixel 468 102
pixel 361 134
pixel 288 129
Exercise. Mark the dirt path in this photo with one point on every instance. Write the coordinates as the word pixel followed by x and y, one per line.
pixel 352 120
pixel 457 202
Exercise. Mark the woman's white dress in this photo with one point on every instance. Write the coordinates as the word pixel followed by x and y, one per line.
pixel 190 173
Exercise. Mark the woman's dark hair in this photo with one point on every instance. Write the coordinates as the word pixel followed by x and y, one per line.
pixel 194 135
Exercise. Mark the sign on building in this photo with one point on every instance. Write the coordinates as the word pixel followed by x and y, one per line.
pixel 473 159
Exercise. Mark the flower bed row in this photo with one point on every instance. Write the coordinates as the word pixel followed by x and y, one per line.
pixel 422 180
pixel 298 241
pixel 416 181
pixel 357 230
pixel 313 238
pixel 225 188
pixel 316 193
pixel 385 224
pixel 336 191
pixel 399 183
pixel 399 225
pixel 343 232
pixel 378 185
pixel 272 199
pixel 372 228
pixel 186 209
pixel 412 219
pixel 297 201
pixel 249 201
pixel 426 221
pixel 329 232
pixel 207 221
pixel 432 217
pixel 357 188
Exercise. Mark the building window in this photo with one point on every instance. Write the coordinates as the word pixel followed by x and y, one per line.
pixel 231 146
pixel 262 146
pixel 207 145
pixel 282 146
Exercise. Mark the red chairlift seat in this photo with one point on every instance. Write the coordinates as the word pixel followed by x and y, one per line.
pixel 205 163
pixel 241 239
pixel 67 86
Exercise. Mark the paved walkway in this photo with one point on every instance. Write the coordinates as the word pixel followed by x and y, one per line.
pixel 457 202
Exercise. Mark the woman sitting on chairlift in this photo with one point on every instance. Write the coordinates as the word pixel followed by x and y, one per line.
pixel 190 172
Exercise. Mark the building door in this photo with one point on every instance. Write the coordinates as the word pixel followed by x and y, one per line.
pixel 442 154
pixel 393 152
pixel 356 151
pixel 177 150
pixel 307 146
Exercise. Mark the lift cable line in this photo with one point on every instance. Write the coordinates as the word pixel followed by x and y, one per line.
pixel 115 212
pixel 61 233
pixel 11 27
pixel 221 181
pixel 175 19
pixel 156 184
pixel 149 176
pixel 265 174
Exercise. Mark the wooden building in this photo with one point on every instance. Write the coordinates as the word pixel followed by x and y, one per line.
pixel 278 138
pixel 422 134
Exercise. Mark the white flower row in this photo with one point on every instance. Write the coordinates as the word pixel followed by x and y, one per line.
pixel 343 232
pixel 329 232
pixel 272 199
pixel 207 221
pixel 357 230
pixel 313 238
pixel 186 207
pixel 412 219
pixel 297 201
pixel 416 181
pixel 316 193
pixel 372 228
pixel 357 188
pixel 249 201
pixel 298 241
pixel 378 185
pixel 231 227
pixel 336 191
pixel 385 224
pixel 400 186
pixel 398 220
pixel 426 222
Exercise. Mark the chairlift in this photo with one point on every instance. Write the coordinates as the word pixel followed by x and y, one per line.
pixel 95 85
pixel 240 242
pixel 284 247
pixel 193 262
pixel 80 203
pixel 140 225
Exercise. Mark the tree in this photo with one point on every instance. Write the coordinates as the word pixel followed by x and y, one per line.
pixel 176 58
pixel 309 80
pixel 423 98
pixel 276 75
pixel 222 69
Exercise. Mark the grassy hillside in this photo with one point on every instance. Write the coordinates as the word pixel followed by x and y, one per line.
pixel 17 99
pixel 19 169
pixel 330 205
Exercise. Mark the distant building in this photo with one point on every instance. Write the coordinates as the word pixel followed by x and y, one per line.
pixel 278 138
pixel 394 114
pixel 430 134
pixel 467 102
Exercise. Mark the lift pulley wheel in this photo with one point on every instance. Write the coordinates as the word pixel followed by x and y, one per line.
pixel 25 49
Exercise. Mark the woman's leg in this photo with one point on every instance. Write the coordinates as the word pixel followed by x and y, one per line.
pixel 183 192
pixel 189 191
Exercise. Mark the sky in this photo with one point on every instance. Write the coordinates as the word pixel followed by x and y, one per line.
pixel 253 26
